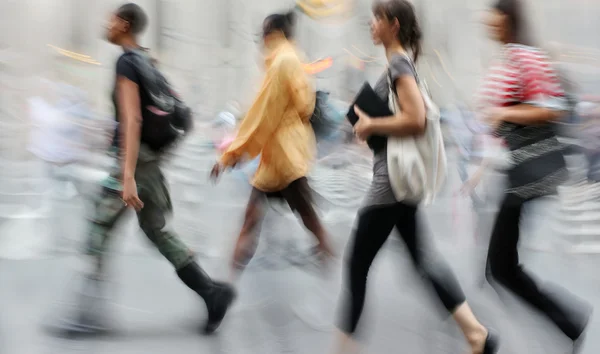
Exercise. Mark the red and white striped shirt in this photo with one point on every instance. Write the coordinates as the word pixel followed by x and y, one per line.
pixel 523 75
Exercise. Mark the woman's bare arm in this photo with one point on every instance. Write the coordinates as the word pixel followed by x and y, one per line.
pixel 525 114
pixel 411 120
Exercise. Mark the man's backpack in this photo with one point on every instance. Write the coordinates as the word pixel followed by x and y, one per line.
pixel 168 119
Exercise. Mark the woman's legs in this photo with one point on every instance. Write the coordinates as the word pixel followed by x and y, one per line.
pixel 475 333
pixel 372 230
pixel 248 237
pixel 445 284
pixel 374 227
pixel 432 267
pixel 298 196
pixel 504 267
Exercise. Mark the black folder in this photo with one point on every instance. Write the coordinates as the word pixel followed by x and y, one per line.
pixel 368 100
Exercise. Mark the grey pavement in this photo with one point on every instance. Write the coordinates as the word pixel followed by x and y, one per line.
pixel 285 305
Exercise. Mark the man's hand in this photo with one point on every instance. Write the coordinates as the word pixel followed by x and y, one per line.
pixel 130 194
pixel 362 128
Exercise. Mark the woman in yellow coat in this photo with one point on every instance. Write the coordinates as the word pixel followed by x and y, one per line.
pixel 277 127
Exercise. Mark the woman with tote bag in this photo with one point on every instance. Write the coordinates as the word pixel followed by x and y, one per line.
pixel 405 173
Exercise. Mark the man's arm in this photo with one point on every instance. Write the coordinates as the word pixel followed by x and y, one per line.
pixel 130 117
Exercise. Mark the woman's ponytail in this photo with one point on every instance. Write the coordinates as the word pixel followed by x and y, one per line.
pixel 415 40
pixel 291 18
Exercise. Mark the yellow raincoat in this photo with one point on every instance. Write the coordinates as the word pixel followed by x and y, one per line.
pixel 277 126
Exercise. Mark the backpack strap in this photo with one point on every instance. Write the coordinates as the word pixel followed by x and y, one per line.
pixel 152 81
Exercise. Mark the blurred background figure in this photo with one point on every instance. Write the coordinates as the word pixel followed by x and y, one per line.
pixel 469 135
pixel 65 133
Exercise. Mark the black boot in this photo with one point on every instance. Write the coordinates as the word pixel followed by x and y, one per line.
pixel 586 314
pixel 218 296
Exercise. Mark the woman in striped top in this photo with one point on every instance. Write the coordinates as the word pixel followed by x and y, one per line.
pixel 523 98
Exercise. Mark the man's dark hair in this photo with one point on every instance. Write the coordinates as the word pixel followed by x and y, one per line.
pixel 135 16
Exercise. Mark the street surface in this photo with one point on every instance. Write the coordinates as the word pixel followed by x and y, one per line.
pixel 285 304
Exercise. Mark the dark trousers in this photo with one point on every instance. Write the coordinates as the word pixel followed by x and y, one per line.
pixel 373 229
pixel 503 266
pixel 153 217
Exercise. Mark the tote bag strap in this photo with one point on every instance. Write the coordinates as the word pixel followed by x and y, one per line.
pixel 423 87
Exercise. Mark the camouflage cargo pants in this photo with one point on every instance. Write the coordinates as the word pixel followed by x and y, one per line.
pixel 153 218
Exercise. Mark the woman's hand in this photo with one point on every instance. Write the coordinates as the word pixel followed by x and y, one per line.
pixel 218 168
pixel 130 194
pixel 216 171
pixel 362 128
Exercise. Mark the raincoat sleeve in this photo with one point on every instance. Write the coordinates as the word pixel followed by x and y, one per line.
pixel 264 115
pixel 301 90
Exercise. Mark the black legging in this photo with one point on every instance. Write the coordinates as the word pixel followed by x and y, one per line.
pixel 504 267
pixel 374 227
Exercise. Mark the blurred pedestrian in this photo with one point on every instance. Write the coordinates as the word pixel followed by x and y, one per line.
pixel 523 99
pixel 137 181
pixel 277 127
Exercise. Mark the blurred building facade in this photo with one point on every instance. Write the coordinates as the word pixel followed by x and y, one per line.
pixel 210 52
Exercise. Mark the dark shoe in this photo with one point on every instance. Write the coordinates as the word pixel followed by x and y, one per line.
pixel 218 296
pixel 196 279
pixel 578 342
pixel 492 343
pixel 217 304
